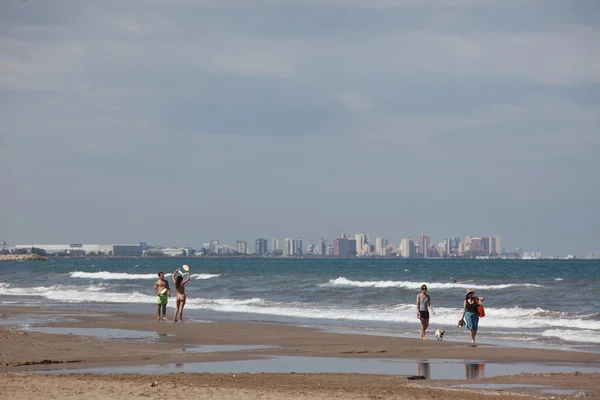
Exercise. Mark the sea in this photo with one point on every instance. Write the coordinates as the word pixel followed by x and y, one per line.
pixel 528 303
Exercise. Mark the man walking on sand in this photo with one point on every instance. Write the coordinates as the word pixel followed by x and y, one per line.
pixel 163 291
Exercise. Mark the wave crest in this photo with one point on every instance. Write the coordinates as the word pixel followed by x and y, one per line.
pixel 342 281
pixel 125 276
pixel 205 276
pixel 112 275
pixel 570 335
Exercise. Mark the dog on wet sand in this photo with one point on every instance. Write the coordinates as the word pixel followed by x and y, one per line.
pixel 439 334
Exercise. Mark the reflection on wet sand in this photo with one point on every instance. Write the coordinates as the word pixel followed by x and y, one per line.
pixel 474 371
pixel 424 369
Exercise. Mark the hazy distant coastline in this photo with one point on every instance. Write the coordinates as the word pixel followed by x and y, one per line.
pixel 22 257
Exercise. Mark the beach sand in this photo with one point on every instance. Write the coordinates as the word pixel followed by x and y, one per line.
pixel 22 351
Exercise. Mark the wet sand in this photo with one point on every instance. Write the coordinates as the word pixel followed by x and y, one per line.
pixel 30 351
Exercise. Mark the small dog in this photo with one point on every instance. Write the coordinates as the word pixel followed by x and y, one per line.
pixel 439 334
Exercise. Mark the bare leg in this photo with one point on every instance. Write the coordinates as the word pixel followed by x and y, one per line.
pixel 164 309
pixel 473 333
pixel 181 310
pixel 176 310
pixel 424 325
pixel 158 313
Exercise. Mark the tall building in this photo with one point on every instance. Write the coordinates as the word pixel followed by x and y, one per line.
pixel 482 245
pixel 275 247
pixel 380 246
pixel 497 247
pixel 323 247
pixel 424 244
pixel 454 242
pixel 344 247
pixel 213 245
pixel 474 245
pixel 241 247
pixel 407 248
pixel 362 244
pixel 329 251
pixel 260 246
pixel 447 247
pixel 298 247
pixel 288 247
pixel 486 243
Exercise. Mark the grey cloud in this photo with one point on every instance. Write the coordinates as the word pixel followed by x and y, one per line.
pixel 223 119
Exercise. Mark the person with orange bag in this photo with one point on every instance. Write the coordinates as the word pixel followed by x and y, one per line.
pixel 471 312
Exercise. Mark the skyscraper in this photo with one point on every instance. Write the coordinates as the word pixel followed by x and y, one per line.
pixel 454 242
pixel 407 248
pixel 344 247
pixel 497 249
pixel 362 242
pixel 323 247
pixel 260 246
pixel 288 247
pixel 241 247
pixel 424 245
pixel 486 243
pixel 447 247
pixel 380 246
pixel 275 247
pixel 298 247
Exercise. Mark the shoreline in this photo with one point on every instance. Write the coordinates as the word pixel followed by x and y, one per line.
pixel 50 351
pixel 291 340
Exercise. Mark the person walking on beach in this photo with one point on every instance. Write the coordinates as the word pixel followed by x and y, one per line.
pixel 180 288
pixel 423 302
pixel 163 291
pixel 471 313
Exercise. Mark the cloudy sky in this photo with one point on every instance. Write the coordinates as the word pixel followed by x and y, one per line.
pixel 180 121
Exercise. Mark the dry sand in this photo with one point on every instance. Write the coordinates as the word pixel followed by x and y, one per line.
pixel 24 351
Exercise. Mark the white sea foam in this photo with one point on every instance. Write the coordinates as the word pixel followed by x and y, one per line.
pixel 571 335
pixel 344 282
pixel 125 276
pixel 79 294
pixel 112 275
pixel 516 318
pixel 205 276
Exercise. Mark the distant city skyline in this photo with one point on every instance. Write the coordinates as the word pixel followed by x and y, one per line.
pixel 416 246
pixel 249 242
pixel 177 121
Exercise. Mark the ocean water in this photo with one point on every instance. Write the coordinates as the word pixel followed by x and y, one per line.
pixel 537 303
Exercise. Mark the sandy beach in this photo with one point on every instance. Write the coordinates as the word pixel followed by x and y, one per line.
pixel 24 351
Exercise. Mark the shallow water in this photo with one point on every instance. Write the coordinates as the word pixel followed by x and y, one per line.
pixel 33 319
pixel 103 333
pixel 215 348
pixel 431 369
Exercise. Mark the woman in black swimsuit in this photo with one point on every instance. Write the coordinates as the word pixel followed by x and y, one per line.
pixel 424 301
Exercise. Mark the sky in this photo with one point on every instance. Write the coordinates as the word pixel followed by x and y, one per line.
pixel 176 122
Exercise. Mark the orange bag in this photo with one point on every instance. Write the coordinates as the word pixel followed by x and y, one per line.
pixel 480 310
